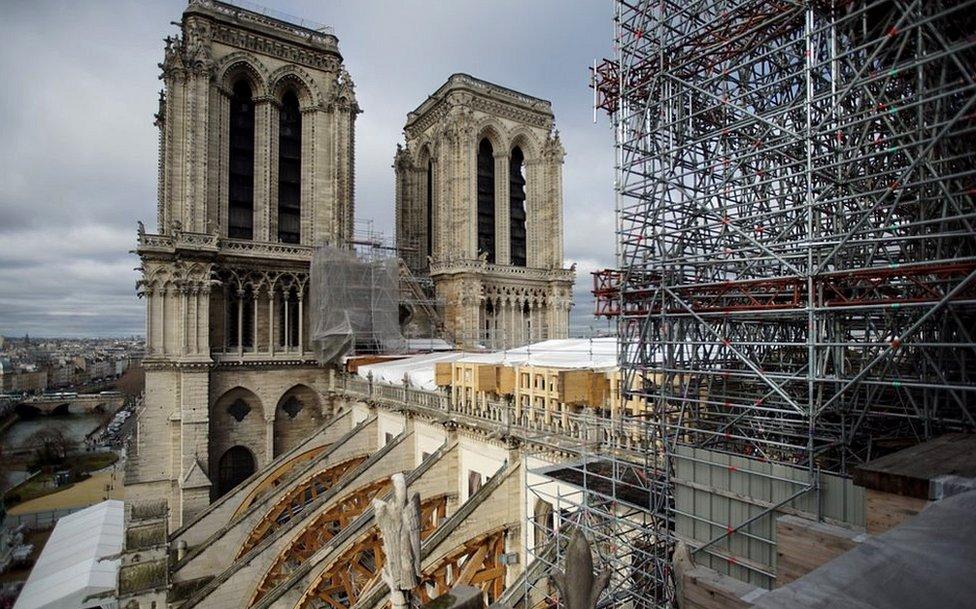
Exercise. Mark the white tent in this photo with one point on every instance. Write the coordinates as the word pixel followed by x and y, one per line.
pixel 71 568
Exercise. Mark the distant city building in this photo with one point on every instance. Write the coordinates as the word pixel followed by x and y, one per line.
pixel 21 380
pixel 62 374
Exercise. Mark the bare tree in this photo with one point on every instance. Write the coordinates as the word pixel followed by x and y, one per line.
pixel 51 446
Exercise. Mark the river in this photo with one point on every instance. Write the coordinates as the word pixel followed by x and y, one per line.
pixel 74 427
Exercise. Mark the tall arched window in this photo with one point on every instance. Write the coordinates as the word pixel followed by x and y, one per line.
pixel 240 223
pixel 517 211
pixel 486 200
pixel 430 210
pixel 289 170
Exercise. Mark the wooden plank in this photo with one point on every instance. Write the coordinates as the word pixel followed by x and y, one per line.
pixel 888 510
pixel 506 380
pixel 599 389
pixel 909 472
pixel 443 373
pixel 486 377
pixel 803 545
pixel 353 363
pixel 471 566
pixel 580 386
pixel 704 588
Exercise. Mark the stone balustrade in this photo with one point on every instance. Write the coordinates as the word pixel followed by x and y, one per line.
pixel 463 265
pixel 622 435
pixel 231 247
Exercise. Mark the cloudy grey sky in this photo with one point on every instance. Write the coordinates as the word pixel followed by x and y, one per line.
pixel 78 149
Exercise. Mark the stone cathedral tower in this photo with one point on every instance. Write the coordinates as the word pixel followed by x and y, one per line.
pixel 256 166
pixel 479 209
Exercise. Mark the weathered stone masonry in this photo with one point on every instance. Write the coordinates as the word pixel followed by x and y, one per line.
pixel 228 360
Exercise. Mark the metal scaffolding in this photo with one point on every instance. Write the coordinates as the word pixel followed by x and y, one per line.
pixel 796 280
pixel 420 317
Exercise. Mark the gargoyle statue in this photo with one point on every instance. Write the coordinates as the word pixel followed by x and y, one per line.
pixel 578 587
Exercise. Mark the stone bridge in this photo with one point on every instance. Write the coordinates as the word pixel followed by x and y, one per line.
pixel 63 404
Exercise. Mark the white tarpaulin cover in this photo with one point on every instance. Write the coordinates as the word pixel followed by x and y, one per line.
pixel 355 304
pixel 417 369
pixel 70 568
pixel 589 353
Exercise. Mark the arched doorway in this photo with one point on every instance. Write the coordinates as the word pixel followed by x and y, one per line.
pixel 236 466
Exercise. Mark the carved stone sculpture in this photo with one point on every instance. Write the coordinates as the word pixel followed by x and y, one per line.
pixel 399 524
pixel 578 587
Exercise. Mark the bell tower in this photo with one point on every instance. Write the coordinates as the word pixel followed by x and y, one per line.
pixel 257 131
pixel 479 209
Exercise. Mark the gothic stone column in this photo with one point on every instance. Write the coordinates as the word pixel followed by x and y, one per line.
pixel 503 237
pixel 307 196
pixel 265 133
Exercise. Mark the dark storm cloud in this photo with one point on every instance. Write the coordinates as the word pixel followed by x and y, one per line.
pixel 78 150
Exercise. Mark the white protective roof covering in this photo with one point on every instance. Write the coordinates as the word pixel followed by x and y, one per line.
pixel 589 353
pixel 69 568
pixel 417 369
pixel 428 344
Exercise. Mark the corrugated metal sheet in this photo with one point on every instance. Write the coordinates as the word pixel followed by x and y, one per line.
pixel 715 491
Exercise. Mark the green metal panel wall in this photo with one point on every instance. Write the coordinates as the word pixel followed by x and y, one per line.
pixel 715 491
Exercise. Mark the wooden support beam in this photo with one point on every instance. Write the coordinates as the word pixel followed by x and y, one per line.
pixel 704 588
pixel 471 566
pixel 802 545
pixel 294 501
